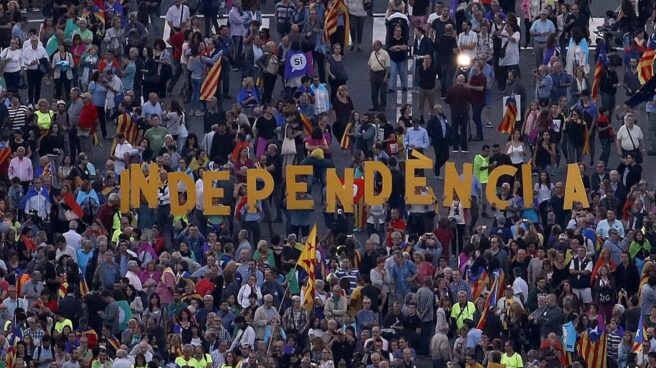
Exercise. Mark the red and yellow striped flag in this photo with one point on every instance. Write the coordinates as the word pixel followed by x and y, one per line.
pixel 307 124
pixel 345 143
pixel 592 348
pixel 308 261
pixel 211 82
pixel 330 24
pixel 507 124
pixel 646 64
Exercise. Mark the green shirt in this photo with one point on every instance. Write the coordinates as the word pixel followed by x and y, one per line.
pixel 480 162
pixel 514 361
pixel 155 136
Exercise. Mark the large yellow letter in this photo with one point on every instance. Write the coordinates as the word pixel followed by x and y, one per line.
pixel 574 188
pixel 491 190
pixel 452 182
pixel 254 195
pixel 178 208
pixel 139 184
pixel 370 170
pixel 527 185
pixel 210 193
pixel 335 189
pixel 412 182
pixel 125 191
pixel 294 187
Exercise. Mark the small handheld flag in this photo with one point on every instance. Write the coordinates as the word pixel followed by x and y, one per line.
pixel 507 124
pixel 602 61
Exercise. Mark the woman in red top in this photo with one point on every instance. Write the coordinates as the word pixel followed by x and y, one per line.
pixel 88 122
pixel 242 164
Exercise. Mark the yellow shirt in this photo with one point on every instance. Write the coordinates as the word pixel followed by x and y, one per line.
pixel 467 313
pixel 514 361
pixel 192 362
pixel 44 119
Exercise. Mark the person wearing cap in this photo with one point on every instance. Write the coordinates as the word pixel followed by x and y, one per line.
pixel 540 30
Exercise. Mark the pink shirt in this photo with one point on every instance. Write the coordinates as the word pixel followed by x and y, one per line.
pixel 21 169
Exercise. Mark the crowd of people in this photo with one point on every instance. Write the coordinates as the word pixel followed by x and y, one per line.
pixel 84 284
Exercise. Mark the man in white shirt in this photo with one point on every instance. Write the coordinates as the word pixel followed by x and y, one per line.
pixel 629 136
pixel 72 237
pixel 177 14
pixel 31 60
pixel 520 287
pixel 133 268
pixel 467 40
pixel 122 152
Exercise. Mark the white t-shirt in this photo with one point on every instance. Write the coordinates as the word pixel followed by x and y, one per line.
pixel 512 50
pixel 12 60
pixel 625 140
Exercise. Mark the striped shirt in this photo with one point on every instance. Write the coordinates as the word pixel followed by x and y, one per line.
pixel 18 116
pixel 285 13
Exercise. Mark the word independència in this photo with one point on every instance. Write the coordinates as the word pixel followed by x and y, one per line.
pixel 260 184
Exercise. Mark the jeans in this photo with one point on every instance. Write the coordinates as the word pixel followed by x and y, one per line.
pixel 103 120
pixel 319 59
pixel 608 101
pixel 12 80
pixel 239 47
pixel 269 84
pixel 64 83
pixel 477 110
pixel 605 148
pixel 538 48
pixel 448 72
pixel 459 121
pixel 429 95
pixel 378 93
pixel 357 29
pixel 211 14
pixel 400 69
pixel 34 78
pixel 574 153
pixel 195 94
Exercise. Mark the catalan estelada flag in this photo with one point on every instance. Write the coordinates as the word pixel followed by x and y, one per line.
pixel 639 336
pixel 507 124
pixel 592 348
pixel 646 63
pixel 307 123
pixel 211 82
pixel 339 8
pixel 479 283
pixel 602 61
pixel 345 142
pixel 490 301
pixel 308 261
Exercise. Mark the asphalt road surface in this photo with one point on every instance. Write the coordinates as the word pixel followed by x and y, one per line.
pixel 360 91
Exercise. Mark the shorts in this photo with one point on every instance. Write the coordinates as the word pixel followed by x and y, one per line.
pixel 584 295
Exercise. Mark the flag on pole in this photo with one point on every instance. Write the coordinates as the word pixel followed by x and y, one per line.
pixel 345 142
pixel 84 287
pixel 592 348
pixel 307 123
pixel 211 82
pixel 639 336
pixel 646 63
pixel 586 141
pixel 490 302
pixel 602 61
pixel 16 336
pixel 507 124
pixel 479 282
pixel 72 204
pixel 308 261
pixel 332 15
pixel 28 243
